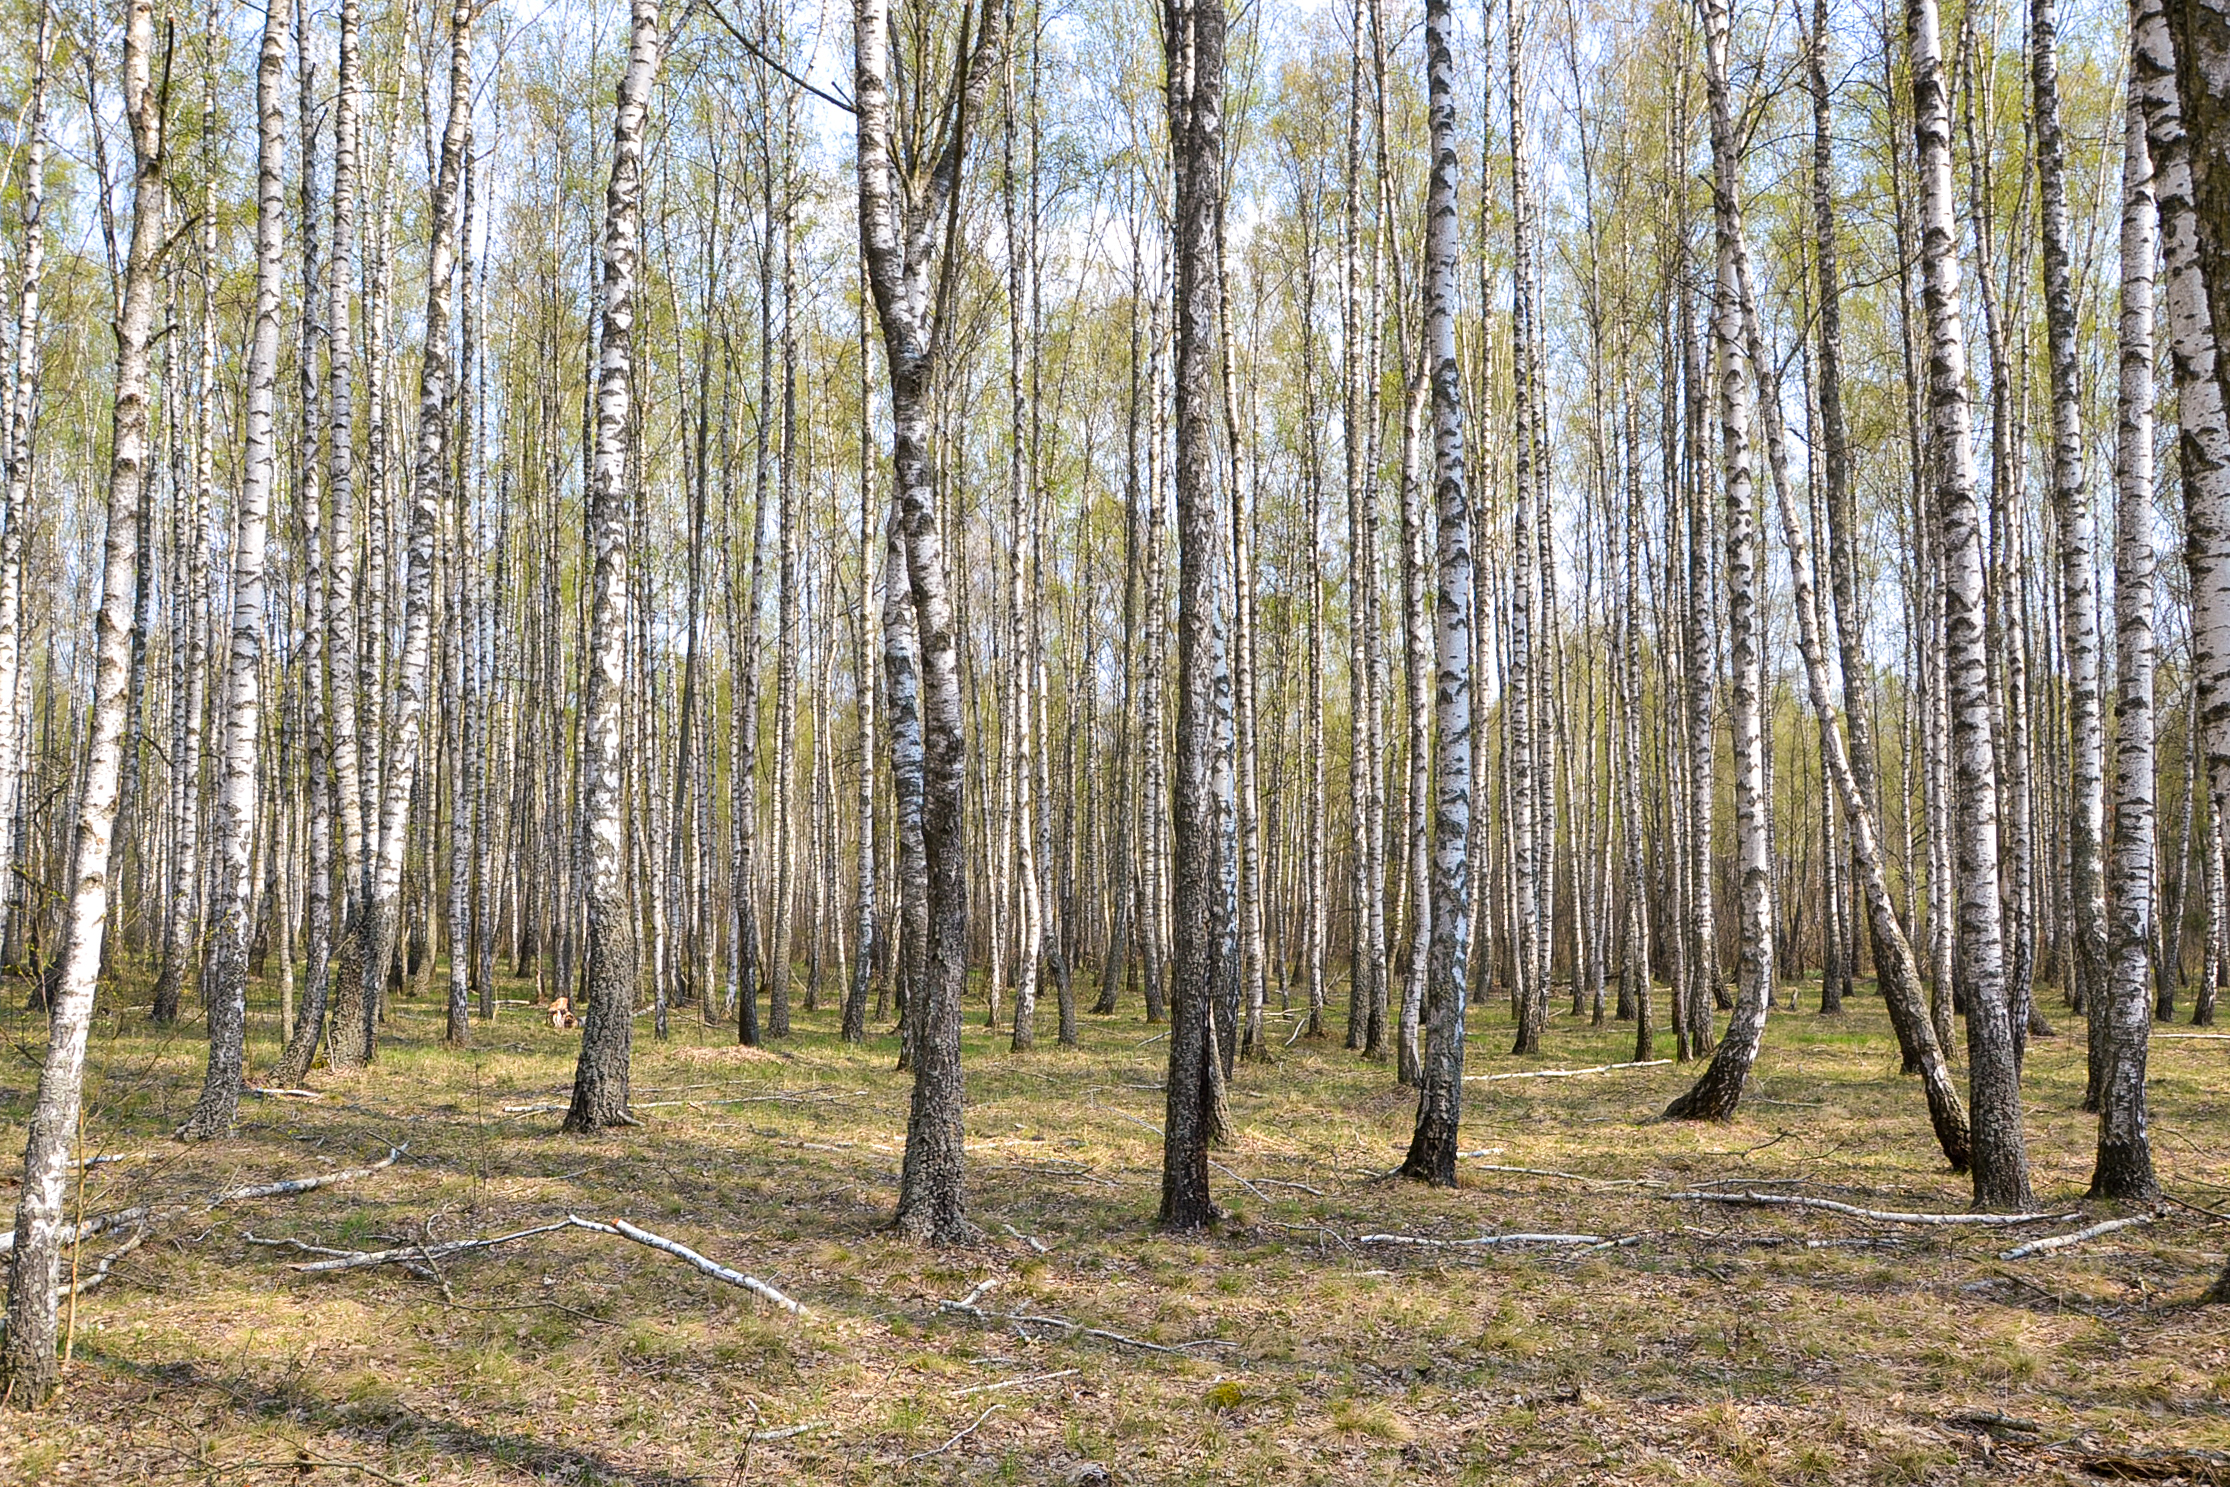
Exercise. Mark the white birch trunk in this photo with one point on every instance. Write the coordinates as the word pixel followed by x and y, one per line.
pixel 28 1360
pixel 224 982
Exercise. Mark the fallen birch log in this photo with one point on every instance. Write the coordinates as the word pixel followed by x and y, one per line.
pixel 1647 1063
pixel 1872 1215
pixel 421 1255
pixel 1484 1241
pixel 2069 1241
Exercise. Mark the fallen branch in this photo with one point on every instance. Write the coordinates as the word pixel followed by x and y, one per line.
pixel 787 1431
pixel 305 1461
pixel 1996 1424
pixel 684 1253
pixel 968 1430
pixel 1073 1327
pixel 1035 1378
pixel 98 1224
pixel 108 1261
pixel 2069 1241
pixel 421 1257
pixel 1031 1240
pixel 1872 1215
pixel 296 1185
pixel 263 1092
pixel 1646 1063
pixel 1483 1241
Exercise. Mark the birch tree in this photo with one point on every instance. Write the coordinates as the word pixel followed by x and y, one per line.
pixel 1432 1148
pixel 2000 1158
pixel 2125 1163
pixel 906 191
pixel 600 1080
pixel 224 981
pixel 28 1356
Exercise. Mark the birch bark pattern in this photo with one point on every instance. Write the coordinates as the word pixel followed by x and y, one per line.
pixel 22 410
pixel 1717 1093
pixel 1193 33
pixel 28 1360
pixel 399 770
pixel 2071 513
pixel 1432 1147
pixel 224 980
pixel 900 236
pixel 600 1079
pixel 2124 1168
pixel 1999 1158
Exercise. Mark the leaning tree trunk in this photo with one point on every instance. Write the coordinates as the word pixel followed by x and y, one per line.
pixel 1718 1092
pixel 600 1079
pixel 2125 1157
pixel 1432 1147
pixel 2000 1157
pixel 28 1362
pixel 1194 37
pixel 1897 968
pixel 224 982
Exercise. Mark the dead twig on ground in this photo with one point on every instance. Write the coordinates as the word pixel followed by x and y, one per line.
pixel 968 1307
pixel 966 1431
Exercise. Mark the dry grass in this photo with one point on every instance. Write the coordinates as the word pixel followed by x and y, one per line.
pixel 1717 1348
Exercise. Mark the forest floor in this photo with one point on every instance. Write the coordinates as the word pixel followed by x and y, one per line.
pixel 1721 1344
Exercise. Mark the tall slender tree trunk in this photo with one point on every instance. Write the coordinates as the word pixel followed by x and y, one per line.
pixel 400 765
pixel 1718 1092
pixel 901 236
pixel 1530 993
pixel 224 982
pixel 2000 1160
pixel 600 1079
pixel 2125 1160
pixel 1432 1148
pixel 1193 33
pixel 28 1356
pixel 2071 512
pixel 349 1043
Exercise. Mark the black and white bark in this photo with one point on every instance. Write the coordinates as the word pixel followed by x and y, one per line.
pixel 1999 1157
pixel 28 1357
pixel 1432 1147
pixel 2125 1162
pixel 1193 37
pixel 1718 1092
pixel 907 202
pixel 2077 541
pixel 600 1078
pixel 428 485
pixel 224 979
